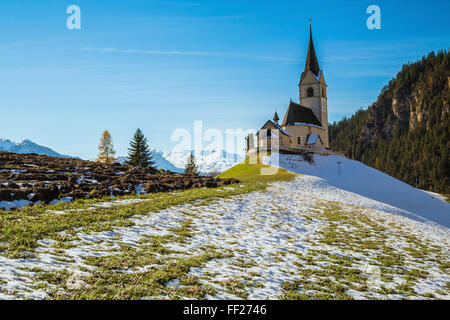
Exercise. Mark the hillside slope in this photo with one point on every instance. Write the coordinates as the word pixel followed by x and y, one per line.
pixel 300 239
pixel 406 132
pixel 354 176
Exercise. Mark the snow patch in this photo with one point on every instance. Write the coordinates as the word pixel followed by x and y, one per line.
pixel 356 177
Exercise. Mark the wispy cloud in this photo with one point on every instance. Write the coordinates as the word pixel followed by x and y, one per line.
pixel 383 51
pixel 188 53
pixel 177 3
pixel 16 44
pixel 186 18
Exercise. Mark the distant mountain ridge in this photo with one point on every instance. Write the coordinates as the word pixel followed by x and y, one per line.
pixel 28 146
pixel 208 161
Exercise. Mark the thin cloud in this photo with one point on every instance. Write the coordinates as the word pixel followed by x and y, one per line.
pixel 186 18
pixel 382 51
pixel 188 53
pixel 178 3
pixel 16 44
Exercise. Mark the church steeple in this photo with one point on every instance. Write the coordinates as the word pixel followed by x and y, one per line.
pixel 276 118
pixel 311 59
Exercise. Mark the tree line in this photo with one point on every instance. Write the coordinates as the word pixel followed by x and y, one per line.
pixel 139 153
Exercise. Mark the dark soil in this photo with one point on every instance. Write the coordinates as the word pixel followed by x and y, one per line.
pixel 42 178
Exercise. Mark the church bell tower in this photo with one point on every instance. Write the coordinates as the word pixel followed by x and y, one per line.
pixel 312 86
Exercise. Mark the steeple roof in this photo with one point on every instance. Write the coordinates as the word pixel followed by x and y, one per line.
pixel 276 118
pixel 311 59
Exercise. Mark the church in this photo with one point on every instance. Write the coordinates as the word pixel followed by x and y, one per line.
pixel 305 124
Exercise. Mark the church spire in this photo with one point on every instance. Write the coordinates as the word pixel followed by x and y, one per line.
pixel 276 118
pixel 311 59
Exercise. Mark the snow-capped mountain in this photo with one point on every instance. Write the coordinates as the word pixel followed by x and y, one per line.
pixel 207 160
pixel 161 162
pixel 28 146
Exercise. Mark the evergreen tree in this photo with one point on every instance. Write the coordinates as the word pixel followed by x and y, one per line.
pixel 139 155
pixel 105 148
pixel 191 167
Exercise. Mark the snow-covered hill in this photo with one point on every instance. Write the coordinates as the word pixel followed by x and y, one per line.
pixel 28 146
pixel 302 239
pixel 207 160
pixel 368 182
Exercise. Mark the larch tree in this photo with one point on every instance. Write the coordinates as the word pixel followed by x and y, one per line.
pixel 191 167
pixel 106 149
pixel 139 154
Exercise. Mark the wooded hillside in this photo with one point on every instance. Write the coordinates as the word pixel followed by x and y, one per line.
pixel 405 133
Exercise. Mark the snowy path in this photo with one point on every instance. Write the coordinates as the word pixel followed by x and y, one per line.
pixel 299 237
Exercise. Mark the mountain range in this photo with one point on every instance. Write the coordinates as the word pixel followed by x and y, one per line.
pixel 28 146
pixel 208 161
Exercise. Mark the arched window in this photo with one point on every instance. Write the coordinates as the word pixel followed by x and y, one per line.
pixel 324 93
pixel 310 92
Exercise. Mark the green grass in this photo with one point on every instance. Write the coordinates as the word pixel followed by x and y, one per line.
pixel 117 276
pixel 247 172
pixel 20 230
pixel 324 275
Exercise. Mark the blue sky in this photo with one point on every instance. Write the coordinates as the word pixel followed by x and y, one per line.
pixel 161 65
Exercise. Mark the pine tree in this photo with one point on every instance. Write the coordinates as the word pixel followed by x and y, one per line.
pixel 139 155
pixel 105 148
pixel 191 167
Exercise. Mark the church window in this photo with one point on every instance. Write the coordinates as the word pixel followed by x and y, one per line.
pixel 324 93
pixel 310 92
pixel 299 140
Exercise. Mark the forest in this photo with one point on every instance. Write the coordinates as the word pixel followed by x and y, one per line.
pixel 405 133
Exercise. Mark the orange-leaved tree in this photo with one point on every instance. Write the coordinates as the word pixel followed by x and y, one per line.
pixel 105 148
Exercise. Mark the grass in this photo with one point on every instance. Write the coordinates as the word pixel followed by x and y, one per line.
pixel 158 266
pixel 107 283
pixel 251 169
pixel 119 276
pixel 324 275
pixel 20 230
